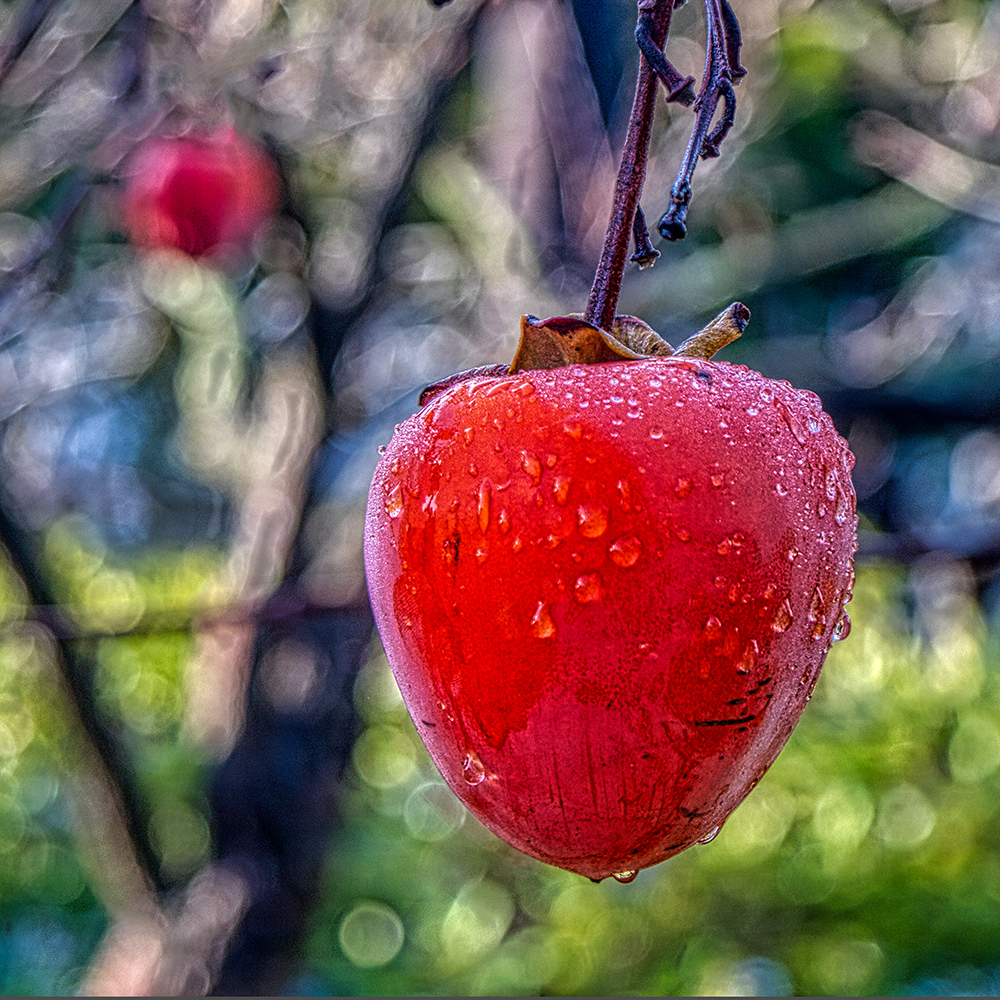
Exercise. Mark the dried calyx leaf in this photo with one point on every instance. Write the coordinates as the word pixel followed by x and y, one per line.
pixel 569 340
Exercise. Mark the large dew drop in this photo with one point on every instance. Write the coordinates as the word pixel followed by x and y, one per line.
pixel 782 618
pixel 842 629
pixel 625 551
pixel 713 628
pixel 472 769
pixel 748 658
pixel 394 501
pixel 531 465
pixel 710 836
pixel 485 492
pixel 560 489
pixel 587 588
pixel 592 519
pixel 542 625
pixel 626 876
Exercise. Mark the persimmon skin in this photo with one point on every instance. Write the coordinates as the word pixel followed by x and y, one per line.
pixel 606 592
pixel 205 193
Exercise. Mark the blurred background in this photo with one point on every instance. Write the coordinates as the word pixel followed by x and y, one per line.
pixel 209 782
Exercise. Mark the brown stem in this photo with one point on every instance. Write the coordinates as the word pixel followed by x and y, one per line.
pixel 607 286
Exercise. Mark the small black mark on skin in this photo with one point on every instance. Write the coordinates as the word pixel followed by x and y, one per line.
pixel 451 546
pixel 704 375
pixel 727 722
pixel 433 725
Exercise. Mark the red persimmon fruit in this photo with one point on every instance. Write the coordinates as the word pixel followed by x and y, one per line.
pixel 606 592
pixel 203 193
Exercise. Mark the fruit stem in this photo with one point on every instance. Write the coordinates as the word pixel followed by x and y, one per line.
pixel 722 71
pixel 654 17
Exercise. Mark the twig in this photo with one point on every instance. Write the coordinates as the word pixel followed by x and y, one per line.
pixel 722 70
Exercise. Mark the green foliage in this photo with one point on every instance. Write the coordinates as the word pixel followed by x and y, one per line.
pixel 52 918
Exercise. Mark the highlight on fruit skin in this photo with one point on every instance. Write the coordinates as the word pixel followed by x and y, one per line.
pixel 204 193
pixel 606 592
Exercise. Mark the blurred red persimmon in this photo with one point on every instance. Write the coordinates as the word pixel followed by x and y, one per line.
pixel 203 193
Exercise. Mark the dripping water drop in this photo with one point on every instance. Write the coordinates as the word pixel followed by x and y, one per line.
pixel 472 769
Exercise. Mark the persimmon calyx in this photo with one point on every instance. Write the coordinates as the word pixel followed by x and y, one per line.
pixel 571 340
pixel 568 340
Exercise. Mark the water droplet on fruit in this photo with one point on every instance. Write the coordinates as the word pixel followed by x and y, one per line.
pixel 550 460
pixel 592 519
pixel 815 606
pixel 394 501
pixel 587 588
pixel 710 836
pixel 767 394
pixel 560 489
pixel 503 521
pixel 752 411
pixel 381 449
pixel 781 489
pixel 842 629
pixel 573 428
pixel 517 544
pixel 525 389
pixel 532 466
pixel 542 625
pixel 683 535
pixel 718 479
pixel 482 554
pixel 782 618
pixel 794 423
pixel 656 433
pixel 830 482
pixel 842 510
pixel 724 547
pixel 683 488
pixel 792 554
pixel 748 658
pixel 626 876
pixel 485 493
pixel 473 770
pixel 713 628
pixel 625 551
pixel 468 434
